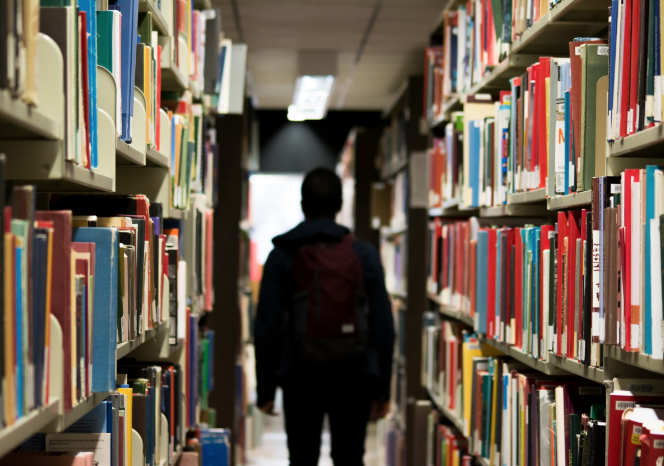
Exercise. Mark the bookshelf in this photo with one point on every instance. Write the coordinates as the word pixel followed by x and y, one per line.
pixel 21 121
pixel 127 155
pixel 159 22
pixel 40 148
pixel 548 36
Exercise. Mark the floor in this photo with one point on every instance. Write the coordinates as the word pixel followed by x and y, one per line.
pixel 273 451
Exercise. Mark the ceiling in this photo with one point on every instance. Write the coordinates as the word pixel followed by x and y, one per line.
pixel 275 30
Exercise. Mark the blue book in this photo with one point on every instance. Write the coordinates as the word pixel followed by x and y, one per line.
pixel 129 26
pixel 90 9
pixel 474 145
pixel 99 420
pixel 650 215
pixel 19 229
pixel 524 277
pixel 210 337
pixel 215 447
pixel 481 281
pixel 612 58
pixel 536 283
pixel 104 341
pixel 567 138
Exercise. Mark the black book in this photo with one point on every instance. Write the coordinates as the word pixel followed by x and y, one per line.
pixel 40 255
pixel 585 341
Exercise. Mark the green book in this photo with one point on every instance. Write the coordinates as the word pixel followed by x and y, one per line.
pixel 105 39
pixel 574 430
pixel 598 411
pixel 486 414
pixel 55 3
pixel 584 448
pixel 139 386
pixel 145 28
pixel 205 357
pixel 594 65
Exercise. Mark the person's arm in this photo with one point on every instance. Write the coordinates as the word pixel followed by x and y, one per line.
pixel 268 329
pixel 381 321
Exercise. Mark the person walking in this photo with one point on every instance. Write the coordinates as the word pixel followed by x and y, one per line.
pixel 324 330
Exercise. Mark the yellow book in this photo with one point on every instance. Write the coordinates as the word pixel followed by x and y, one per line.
pixel 128 392
pixel 471 348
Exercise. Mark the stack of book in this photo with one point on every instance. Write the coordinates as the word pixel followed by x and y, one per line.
pixel 504 412
pixel 635 61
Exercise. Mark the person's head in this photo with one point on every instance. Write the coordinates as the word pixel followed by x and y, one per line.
pixel 321 194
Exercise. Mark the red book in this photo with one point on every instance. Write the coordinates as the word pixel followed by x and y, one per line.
pixel 61 306
pixel 652 446
pixel 518 289
pixel 83 42
pixel 575 96
pixel 580 288
pixel 619 401
pixel 573 234
pixel 630 176
pixel 509 279
pixel 562 236
pixel 542 150
pixel 634 65
pixel 625 294
pixel 623 98
pixel 88 248
pixel 491 288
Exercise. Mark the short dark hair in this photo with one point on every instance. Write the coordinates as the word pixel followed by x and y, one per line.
pixel 321 193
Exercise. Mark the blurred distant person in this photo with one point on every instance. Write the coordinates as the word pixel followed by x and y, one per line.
pixel 324 330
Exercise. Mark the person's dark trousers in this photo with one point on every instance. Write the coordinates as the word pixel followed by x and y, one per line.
pixel 345 398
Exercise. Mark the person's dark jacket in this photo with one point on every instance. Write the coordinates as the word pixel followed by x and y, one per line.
pixel 274 355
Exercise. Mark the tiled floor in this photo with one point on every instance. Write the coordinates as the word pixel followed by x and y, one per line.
pixel 273 451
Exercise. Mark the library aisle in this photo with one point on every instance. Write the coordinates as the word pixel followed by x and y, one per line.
pixel 501 160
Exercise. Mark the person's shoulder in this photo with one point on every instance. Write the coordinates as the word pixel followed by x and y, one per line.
pixel 366 251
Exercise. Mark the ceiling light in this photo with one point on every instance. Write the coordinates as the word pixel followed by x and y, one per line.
pixel 311 98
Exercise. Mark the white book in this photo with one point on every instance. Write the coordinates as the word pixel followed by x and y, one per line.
pixel 544 345
pixel 656 290
pixel 545 396
pixel 117 68
pixel 560 427
pixel 635 249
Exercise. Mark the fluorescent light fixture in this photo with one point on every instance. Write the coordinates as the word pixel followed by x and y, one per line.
pixel 311 98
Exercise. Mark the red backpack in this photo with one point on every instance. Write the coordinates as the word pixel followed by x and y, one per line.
pixel 330 309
